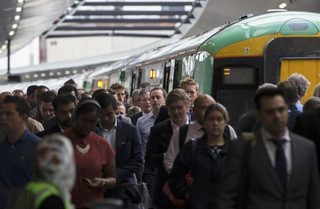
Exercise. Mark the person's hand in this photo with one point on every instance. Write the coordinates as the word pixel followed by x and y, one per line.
pixel 96 182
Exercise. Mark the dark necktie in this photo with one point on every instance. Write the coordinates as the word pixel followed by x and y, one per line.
pixel 281 164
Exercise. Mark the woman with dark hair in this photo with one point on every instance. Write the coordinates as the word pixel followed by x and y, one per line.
pixel 195 174
pixel 94 156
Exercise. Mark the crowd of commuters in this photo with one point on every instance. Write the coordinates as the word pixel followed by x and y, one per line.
pixel 71 148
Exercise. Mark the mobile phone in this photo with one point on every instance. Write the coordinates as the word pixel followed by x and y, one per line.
pixel 86 180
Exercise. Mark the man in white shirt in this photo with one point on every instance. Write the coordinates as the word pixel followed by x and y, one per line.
pixel 194 130
pixel 191 131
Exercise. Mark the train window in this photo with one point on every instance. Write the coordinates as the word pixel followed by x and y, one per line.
pixel 238 75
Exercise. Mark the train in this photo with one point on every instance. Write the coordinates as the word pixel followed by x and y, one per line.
pixel 230 61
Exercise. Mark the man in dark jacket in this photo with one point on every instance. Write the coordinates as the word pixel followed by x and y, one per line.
pixel 178 107
pixel 63 107
pixel 124 140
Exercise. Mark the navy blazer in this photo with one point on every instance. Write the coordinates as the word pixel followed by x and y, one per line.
pixel 128 152
pixel 262 188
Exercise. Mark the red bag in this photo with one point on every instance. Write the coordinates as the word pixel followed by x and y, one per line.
pixel 175 201
pixel 189 179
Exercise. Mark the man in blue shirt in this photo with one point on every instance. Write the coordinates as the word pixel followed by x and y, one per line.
pixel 17 149
pixel 144 123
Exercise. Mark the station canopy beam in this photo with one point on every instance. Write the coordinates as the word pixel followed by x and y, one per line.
pixel 150 18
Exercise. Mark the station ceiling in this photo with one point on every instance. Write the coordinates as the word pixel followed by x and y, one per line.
pixel 135 18
pixel 23 20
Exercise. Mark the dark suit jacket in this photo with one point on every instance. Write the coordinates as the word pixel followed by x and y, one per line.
pixel 135 118
pixel 262 186
pixel 128 160
pixel 308 125
pixel 128 151
pixel 162 115
pixel 52 130
pixel 158 142
pixel 247 122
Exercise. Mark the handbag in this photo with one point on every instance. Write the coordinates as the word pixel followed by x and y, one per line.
pixel 189 179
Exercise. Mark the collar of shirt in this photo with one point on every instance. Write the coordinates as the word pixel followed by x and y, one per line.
pixel 151 115
pixel 113 127
pixel 196 125
pixel 61 129
pixel 21 139
pixel 175 127
pixel 267 136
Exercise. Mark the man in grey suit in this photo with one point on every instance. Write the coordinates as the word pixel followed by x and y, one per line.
pixel 271 168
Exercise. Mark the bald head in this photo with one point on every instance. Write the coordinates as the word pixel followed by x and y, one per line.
pixel 200 105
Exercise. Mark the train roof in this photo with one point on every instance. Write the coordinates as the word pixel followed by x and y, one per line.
pixel 181 47
pixel 214 40
pixel 283 23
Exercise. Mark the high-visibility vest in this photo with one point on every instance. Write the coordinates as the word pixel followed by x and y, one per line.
pixel 36 192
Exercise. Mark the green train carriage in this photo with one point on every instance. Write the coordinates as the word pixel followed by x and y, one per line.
pixel 231 61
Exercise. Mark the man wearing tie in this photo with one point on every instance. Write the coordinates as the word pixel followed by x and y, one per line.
pixel 272 167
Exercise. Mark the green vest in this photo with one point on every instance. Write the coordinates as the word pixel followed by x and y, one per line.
pixel 36 192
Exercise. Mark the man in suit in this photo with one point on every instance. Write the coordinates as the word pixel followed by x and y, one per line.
pixel 124 140
pixel 273 168
pixel 63 107
pixel 145 105
pixel 178 107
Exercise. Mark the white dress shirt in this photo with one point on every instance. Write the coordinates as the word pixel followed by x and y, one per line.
pixel 194 131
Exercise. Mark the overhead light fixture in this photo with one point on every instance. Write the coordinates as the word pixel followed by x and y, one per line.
pixel 14 26
pixel 18 9
pixel 11 33
pixel 4 46
pixel 283 5
pixel 20 1
pixel 17 17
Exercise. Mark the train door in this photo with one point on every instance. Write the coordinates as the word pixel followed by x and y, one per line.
pixel 234 83
pixel 310 68
pixel 284 56
pixel 177 74
pixel 166 76
pixel 134 80
pixel 139 76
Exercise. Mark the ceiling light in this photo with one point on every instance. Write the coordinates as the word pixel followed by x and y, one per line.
pixel 18 9
pixel 11 33
pixel 14 26
pixel 17 17
pixel 4 47
pixel 20 1
pixel 282 5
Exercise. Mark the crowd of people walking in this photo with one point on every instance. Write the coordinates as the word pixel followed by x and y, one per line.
pixel 71 148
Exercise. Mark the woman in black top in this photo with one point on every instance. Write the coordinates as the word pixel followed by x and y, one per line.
pixel 204 159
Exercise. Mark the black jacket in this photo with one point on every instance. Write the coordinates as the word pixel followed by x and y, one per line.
pixel 206 170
